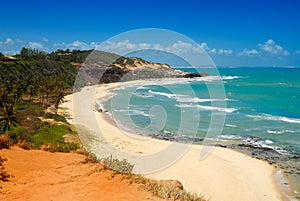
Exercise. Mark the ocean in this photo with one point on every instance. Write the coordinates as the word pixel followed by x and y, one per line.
pixel 257 107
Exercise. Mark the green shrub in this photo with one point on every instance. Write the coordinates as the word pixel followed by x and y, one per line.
pixel 56 117
pixel 18 133
pixel 31 108
pixel 52 136
pixel 61 147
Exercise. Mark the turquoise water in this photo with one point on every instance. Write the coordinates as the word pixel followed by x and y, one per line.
pixel 262 107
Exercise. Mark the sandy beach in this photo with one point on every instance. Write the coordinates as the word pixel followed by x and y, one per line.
pixel 223 175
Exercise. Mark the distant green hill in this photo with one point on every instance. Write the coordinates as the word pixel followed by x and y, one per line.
pixel 87 56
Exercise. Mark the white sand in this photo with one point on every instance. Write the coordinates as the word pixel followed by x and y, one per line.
pixel 225 175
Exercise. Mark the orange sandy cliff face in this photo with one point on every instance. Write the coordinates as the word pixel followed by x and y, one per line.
pixel 44 176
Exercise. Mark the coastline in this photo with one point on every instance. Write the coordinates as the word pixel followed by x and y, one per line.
pixel 224 175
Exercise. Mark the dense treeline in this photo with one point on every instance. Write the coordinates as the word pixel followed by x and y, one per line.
pixel 30 82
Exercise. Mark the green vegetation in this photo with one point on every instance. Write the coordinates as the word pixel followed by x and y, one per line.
pixel 31 83
pixel 7 115
pixel 56 117
pixel 50 134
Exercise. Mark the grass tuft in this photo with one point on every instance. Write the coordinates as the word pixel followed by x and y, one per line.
pixel 56 117
pixel 122 166
pixel 50 138
pixel 4 141
pixel 170 192
pixel 24 145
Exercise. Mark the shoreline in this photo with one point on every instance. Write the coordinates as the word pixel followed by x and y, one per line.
pixel 224 175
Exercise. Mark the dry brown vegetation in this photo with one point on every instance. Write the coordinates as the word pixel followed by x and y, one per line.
pixel 3 174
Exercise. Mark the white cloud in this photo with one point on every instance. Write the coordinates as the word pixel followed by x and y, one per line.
pixel 215 51
pixel 35 45
pixel 9 41
pixel 45 39
pixel 225 52
pixel 124 47
pixel 247 52
pixel 19 40
pixel 297 52
pixel 75 45
pixel 272 48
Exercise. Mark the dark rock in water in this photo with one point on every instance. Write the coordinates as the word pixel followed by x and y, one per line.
pixel 295 157
pixel 172 183
pixel 221 145
pixel 192 75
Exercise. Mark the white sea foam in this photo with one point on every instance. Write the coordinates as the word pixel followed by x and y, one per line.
pixel 198 100
pixel 230 77
pixel 231 125
pixel 274 118
pixel 265 144
pixel 274 132
pixel 228 110
pixel 280 131
pixel 143 87
pixel 268 141
pixel 134 112
pixel 166 94
pixel 289 131
pixel 230 137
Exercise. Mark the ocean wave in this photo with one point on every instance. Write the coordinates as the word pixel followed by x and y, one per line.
pixel 231 125
pixel 274 132
pixel 143 87
pixel 166 94
pixel 143 95
pixel 274 118
pixel 230 77
pixel 133 112
pixel 280 132
pixel 198 100
pixel 183 98
pixel 227 110
pixel 263 144
pixel 230 137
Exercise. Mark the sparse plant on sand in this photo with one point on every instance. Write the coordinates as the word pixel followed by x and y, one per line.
pixel 122 166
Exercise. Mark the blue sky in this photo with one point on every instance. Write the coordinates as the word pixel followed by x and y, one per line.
pixel 234 33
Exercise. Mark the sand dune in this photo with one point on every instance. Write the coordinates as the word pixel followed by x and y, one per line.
pixel 44 176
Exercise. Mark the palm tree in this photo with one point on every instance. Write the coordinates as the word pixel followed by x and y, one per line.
pixel 58 98
pixel 7 116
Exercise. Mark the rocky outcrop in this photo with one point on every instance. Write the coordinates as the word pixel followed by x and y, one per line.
pixel 126 69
